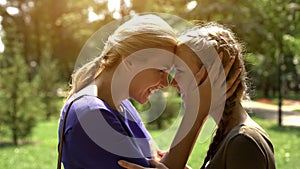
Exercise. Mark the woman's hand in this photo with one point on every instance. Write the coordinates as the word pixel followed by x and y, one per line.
pixel 152 162
pixel 233 82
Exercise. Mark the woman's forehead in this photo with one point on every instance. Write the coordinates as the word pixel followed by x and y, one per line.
pixel 152 58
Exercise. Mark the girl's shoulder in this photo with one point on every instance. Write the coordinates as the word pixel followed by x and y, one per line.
pixel 245 135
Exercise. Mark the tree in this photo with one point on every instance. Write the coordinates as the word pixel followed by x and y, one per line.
pixel 47 83
pixel 18 100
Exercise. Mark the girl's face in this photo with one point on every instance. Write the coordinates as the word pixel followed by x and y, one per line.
pixel 187 64
pixel 147 82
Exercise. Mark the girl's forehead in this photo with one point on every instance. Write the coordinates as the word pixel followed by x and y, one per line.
pixel 187 54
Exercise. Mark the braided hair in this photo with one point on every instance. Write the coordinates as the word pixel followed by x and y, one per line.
pixel 223 40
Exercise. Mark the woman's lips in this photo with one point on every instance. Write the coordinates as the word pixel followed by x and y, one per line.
pixel 152 90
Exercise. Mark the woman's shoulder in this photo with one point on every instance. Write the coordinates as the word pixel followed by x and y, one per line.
pixel 84 105
pixel 88 102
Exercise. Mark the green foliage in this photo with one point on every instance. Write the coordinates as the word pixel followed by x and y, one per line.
pixel 163 120
pixel 47 83
pixel 59 28
pixel 18 99
pixel 50 34
pixel 161 110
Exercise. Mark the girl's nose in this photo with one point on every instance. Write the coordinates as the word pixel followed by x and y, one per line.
pixel 164 80
pixel 174 83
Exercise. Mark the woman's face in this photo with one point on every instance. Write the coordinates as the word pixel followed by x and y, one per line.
pixel 147 82
pixel 150 68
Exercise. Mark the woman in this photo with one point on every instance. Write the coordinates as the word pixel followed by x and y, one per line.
pixel 239 142
pixel 102 126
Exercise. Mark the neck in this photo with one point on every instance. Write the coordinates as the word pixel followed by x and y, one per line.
pixel 238 116
pixel 104 85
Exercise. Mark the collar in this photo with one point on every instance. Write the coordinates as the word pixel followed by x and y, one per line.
pixel 91 90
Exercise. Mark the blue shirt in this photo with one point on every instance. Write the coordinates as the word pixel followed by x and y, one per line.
pixel 97 136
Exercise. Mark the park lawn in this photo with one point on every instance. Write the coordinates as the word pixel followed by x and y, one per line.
pixel 42 152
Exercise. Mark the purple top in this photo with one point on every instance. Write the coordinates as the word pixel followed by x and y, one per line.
pixel 97 136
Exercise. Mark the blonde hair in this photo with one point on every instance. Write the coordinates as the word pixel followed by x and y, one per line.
pixel 223 40
pixel 140 32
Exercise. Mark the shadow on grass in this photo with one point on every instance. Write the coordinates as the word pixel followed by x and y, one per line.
pixel 4 144
pixel 286 129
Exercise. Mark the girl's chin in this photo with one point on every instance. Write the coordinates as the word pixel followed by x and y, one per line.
pixel 143 100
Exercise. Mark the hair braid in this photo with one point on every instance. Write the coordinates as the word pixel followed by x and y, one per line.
pixel 224 41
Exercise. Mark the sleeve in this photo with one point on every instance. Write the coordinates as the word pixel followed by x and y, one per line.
pixel 99 140
pixel 244 152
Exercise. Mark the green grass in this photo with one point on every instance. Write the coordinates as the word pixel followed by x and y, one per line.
pixel 286 142
pixel 41 153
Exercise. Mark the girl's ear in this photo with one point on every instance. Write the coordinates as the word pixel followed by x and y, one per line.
pixel 201 75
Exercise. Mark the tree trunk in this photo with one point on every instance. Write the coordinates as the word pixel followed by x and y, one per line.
pixel 14 122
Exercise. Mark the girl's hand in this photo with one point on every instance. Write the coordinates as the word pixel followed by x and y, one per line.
pixel 231 84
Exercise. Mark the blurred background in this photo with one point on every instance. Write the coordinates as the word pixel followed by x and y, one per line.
pixel 40 41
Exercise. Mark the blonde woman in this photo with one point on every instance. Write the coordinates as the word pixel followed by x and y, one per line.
pixel 102 125
pixel 239 142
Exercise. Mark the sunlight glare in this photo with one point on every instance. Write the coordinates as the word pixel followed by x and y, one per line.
pixel 128 3
pixel 12 10
pixel 117 15
pixel 1 43
pixel 1 46
pixel 191 5
pixel 93 16
pixel 3 2
pixel 113 5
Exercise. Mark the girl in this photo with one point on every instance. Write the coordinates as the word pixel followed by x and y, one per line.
pixel 239 142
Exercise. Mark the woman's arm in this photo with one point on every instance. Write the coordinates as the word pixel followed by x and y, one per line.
pixel 152 162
